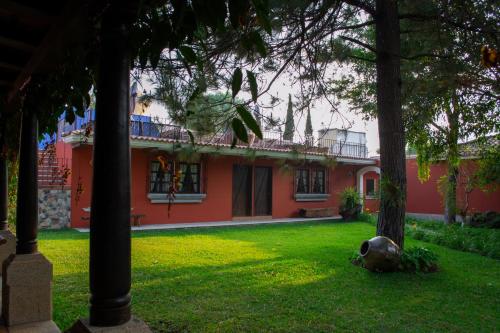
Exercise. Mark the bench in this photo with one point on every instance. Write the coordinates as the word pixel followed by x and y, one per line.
pixel 316 212
pixel 136 218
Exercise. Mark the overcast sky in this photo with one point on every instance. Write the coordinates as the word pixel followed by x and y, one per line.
pixel 320 113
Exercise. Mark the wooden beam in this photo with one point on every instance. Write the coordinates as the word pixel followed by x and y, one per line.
pixel 72 10
pixel 11 67
pixel 28 15
pixel 15 44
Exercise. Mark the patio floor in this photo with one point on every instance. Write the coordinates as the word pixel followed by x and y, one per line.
pixel 222 223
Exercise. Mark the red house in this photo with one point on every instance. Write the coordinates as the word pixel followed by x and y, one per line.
pixel 266 179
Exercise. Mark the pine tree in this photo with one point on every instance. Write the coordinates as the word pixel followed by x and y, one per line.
pixel 289 124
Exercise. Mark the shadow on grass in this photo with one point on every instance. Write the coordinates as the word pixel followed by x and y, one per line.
pixel 305 284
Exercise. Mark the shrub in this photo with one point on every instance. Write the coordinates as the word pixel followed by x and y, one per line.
pixel 418 259
pixel 357 259
pixel 486 220
pixel 464 238
pixel 369 218
pixel 349 198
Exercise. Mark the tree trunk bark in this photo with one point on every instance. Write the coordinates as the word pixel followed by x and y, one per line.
pixel 450 211
pixel 390 123
pixel 453 161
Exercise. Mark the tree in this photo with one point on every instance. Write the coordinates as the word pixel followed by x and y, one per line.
pixel 308 132
pixel 452 97
pixel 289 122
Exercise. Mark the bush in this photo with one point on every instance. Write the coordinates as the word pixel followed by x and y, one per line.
pixel 369 218
pixel 463 238
pixel 486 220
pixel 349 198
pixel 418 259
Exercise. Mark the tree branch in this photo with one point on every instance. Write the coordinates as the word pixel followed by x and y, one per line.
pixel 360 43
pixel 362 5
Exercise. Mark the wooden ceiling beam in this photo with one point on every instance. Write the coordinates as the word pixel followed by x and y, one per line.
pixel 15 44
pixel 9 66
pixel 28 15
pixel 4 83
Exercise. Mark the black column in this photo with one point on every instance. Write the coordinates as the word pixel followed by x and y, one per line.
pixel 110 207
pixel 3 193
pixel 27 186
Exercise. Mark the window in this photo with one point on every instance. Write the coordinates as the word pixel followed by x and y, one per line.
pixel 311 180
pixel 189 178
pixel 370 188
pixel 160 176
pixel 318 180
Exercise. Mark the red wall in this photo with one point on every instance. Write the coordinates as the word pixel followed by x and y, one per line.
pixel 424 198
pixel 217 206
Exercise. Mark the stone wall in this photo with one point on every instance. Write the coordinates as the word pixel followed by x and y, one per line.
pixel 54 207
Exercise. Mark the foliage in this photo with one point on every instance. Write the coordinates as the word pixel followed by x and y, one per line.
pixel 485 220
pixel 308 132
pixel 368 218
pixel 278 278
pixel 349 198
pixel 390 193
pixel 464 238
pixel 206 114
pixel 289 122
pixel 13 169
pixel 357 259
pixel 418 259
pixel 488 175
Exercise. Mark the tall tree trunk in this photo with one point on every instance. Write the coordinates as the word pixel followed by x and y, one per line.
pixel 450 210
pixel 390 123
pixel 453 161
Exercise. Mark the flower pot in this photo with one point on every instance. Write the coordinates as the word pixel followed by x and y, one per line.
pixel 349 214
pixel 380 254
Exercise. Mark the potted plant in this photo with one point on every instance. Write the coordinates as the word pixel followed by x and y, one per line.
pixel 350 204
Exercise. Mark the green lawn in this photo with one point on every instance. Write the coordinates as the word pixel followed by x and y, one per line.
pixel 282 278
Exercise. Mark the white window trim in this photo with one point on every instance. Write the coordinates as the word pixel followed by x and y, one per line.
pixel 162 198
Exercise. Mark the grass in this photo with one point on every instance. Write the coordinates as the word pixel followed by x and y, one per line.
pixel 280 278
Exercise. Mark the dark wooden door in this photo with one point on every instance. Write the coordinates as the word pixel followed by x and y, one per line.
pixel 263 191
pixel 242 190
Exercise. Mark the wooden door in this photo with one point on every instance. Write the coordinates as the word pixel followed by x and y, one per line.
pixel 263 191
pixel 242 190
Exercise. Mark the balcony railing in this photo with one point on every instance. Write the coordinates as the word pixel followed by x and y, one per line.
pixel 271 139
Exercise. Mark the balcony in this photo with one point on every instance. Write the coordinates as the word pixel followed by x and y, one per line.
pixel 142 126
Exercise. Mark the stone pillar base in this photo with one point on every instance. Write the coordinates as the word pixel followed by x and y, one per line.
pixel 134 325
pixel 9 247
pixel 38 327
pixel 26 289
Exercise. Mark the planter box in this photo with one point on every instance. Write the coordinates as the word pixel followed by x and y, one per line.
pixel 316 212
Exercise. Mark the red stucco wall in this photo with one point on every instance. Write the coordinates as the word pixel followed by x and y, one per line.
pixel 424 198
pixel 217 206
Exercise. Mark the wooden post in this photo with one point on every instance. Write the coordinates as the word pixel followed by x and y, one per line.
pixel 3 194
pixel 27 190
pixel 110 275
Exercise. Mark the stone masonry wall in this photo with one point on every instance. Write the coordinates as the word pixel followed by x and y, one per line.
pixel 54 208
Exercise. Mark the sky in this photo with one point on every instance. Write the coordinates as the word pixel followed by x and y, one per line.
pixel 320 113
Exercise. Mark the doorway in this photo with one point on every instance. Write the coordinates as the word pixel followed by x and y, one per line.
pixel 252 191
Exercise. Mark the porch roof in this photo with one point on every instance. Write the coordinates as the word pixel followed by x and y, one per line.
pixel 76 138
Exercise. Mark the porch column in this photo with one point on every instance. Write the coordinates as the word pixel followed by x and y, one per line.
pixel 27 189
pixel 27 275
pixel 110 275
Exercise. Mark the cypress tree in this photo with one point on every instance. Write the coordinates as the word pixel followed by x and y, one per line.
pixel 289 123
